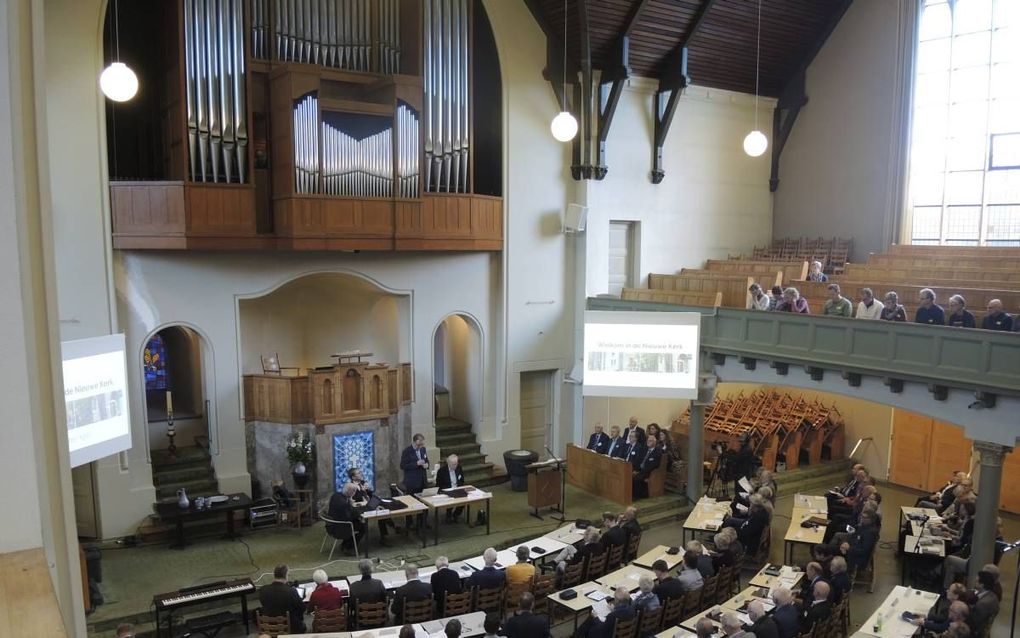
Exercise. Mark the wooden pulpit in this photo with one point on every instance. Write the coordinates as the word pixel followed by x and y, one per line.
pixel 545 485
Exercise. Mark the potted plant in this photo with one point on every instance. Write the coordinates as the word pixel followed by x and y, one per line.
pixel 300 452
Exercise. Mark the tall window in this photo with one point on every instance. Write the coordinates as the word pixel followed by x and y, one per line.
pixel 965 153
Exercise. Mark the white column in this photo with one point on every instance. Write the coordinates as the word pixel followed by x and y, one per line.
pixel 983 541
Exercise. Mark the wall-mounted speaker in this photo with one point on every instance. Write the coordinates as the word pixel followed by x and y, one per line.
pixel 575 217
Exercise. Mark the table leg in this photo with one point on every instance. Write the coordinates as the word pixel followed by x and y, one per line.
pixel 244 612
pixel 178 534
pixel 437 525
pixel 230 524
pixel 488 515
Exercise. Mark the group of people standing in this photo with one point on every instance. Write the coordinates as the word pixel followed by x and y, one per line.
pixel 645 450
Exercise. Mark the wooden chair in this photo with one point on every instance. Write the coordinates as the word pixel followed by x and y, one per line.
pixel 673 611
pixel 542 586
pixel 625 628
pixel 272 625
pixel 325 620
pixel 488 600
pixel 709 593
pixel 596 565
pixel 841 618
pixel 650 621
pixel 866 576
pixel 418 611
pixel 371 615
pixel 573 574
pixel 271 365
pixel 512 595
pixel 690 603
pixel 615 557
pixel 633 543
pixel 299 509
pixel 457 604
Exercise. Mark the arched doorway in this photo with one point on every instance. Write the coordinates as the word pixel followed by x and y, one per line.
pixel 173 376
pixel 457 371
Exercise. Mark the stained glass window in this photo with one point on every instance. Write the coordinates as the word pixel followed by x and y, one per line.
pixel 965 148
pixel 154 362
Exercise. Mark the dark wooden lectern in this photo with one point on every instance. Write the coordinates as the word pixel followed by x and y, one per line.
pixel 545 485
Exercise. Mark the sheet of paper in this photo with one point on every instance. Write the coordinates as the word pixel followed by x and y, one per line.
pixel 744 483
pixel 601 609
pixel 741 507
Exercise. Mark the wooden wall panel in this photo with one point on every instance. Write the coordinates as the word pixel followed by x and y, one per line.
pixel 733 288
pixel 221 210
pixel 950 452
pixel 147 208
pixel 910 450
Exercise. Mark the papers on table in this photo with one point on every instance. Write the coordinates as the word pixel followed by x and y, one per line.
pixel 597 595
pixel 601 609
pixel 744 483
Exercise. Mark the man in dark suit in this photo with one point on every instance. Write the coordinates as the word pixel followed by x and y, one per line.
pixel 861 544
pixel 411 591
pixel 668 587
pixel 444 581
pixel 622 610
pixel 488 577
pixel 278 598
pixel 448 477
pixel 525 623
pixel 415 463
pixel 813 574
pixel 341 509
pixel 839 579
pixel 705 565
pixel 762 626
pixel 632 426
pixel 634 451
pixel 616 442
pixel 818 610
pixel 612 534
pixel 598 442
pixel 629 522
pixel 366 589
pixel 986 607
pixel 785 614
pixel 649 463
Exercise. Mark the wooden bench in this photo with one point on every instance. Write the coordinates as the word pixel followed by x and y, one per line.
pixel 954 251
pixel 765 280
pixel 677 297
pixel 977 298
pixel 733 288
pixel 962 277
pixel 750 268
pixel 944 262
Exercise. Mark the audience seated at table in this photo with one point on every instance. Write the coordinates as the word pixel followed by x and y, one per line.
pixel 985 607
pixel 366 589
pixel 667 586
pixel 732 626
pixel 943 497
pixel 341 509
pixel 589 545
pixel 690 578
pixel 947 608
pixel 762 625
pixel 786 614
pixel 818 608
pixel 612 534
pixel 751 525
pixel 723 555
pixel 857 546
pixel 451 476
pixel 444 581
pixel 524 623
pixel 598 442
pixel 839 579
pixel 488 577
pixel 410 592
pixel 704 628
pixel 629 522
pixel 622 609
pixel 649 463
pixel 813 574
pixel 326 596
pixel 365 498
pixel 521 573
pixel 491 627
pixel 280 598
pixel 646 597
pixel 705 565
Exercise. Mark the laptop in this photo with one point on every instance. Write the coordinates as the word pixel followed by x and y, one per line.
pixel 430 491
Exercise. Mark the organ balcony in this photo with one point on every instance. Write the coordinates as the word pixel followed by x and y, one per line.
pixel 290 125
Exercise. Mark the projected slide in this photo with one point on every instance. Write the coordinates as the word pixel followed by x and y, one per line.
pixel 95 398
pixel 641 354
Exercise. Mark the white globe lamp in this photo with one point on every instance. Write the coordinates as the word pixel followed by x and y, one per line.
pixel 755 143
pixel 564 126
pixel 118 82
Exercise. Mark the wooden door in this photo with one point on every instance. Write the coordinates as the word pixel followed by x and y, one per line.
pixel 950 452
pixel 910 449
pixel 536 410
pixel 621 256
pixel 1009 498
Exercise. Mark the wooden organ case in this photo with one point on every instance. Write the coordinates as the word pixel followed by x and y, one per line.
pixel 309 125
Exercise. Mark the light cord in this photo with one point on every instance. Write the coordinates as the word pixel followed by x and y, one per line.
pixel 116 26
pixel 563 96
pixel 757 67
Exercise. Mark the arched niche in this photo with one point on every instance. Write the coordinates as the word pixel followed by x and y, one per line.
pixel 458 372
pixel 175 359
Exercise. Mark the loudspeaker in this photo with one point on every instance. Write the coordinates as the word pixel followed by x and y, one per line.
pixel 575 218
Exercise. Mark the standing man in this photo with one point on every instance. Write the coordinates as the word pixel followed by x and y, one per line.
pixel 598 442
pixel 632 426
pixel 415 463
pixel 649 463
pixel 449 477
pixel 616 442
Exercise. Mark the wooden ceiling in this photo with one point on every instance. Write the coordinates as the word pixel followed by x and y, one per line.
pixel 721 51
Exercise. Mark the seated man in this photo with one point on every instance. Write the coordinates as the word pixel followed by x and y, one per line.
pixel 524 623
pixel 629 522
pixel 522 572
pixel 488 577
pixel 793 302
pixel 449 477
pixel 839 579
pixel 704 628
pixel 366 589
pixel 365 499
pixel 622 610
pixel 411 591
pixel 705 565
pixel 634 451
pixel 757 300
pixel 690 578
pixel 732 625
pixel 986 607
pixel 785 614
pixel 959 316
pixel 598 442
pixel 815 272
pixel 819 608
pixel 929 312
pixel 668 587
pixel 444 580
pixel 612 534
pixel 341 509
pixel 997 318
pixel 942 497
pixel 453 628
pixel 762 625
pixel 859 545
pixel 572 555
pixel 279 598
pixel 891 308
pixel 837 305
pixel 868 307
pixel 812 576
pixel 616 442
pixel 649 463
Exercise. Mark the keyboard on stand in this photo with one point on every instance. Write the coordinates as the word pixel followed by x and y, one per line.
pixel 173 601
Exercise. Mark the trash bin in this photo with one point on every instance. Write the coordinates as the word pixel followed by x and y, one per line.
pixel 516 461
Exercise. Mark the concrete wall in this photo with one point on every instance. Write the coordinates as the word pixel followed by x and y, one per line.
pixel 841 169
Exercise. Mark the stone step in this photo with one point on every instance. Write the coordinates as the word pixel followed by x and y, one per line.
pixel 471 458
pixel 186 473
pixel 461 449
pixel 195 488
pixel 185 455
pixel 447 425
pixel 444 440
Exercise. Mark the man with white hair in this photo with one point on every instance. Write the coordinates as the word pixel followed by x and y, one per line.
pixel 598 442
pixel 326 596
pixel 732 626
pixel 444 581
pixel 997 318
pixel 411 591
pixel 785 614
pixel 488 577
pixel 815 272
pixel 632 426
pixel 704 628
pixel 449 477
pixel 819 609
pixel 705 565
pixel 762 626
pixel 928 311
pixel 959 316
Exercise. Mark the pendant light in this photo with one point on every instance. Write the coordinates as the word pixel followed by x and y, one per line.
pixel 117 81
pixel 564 126
pixel 755 143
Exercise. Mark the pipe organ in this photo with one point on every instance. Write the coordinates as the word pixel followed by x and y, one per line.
pixel 336 123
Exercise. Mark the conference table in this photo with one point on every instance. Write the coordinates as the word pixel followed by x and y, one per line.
pixel 412 507
pixel 707 516
pixel 443 501
pixel 737 604
pixel 899 600
pixel 806 508
pixel 772 576
pixel 587 595
pixel 659 552
pixel 627 576
pixel 922 541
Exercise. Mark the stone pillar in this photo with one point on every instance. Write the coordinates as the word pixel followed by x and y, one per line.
pixel 695 454
pixel 983 543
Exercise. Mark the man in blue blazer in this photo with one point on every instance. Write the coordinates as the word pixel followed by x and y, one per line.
pixel 649 462
pixel 634 451
pixel 598 442
pixel 488 577
pixel 786 614
pixel 415 463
